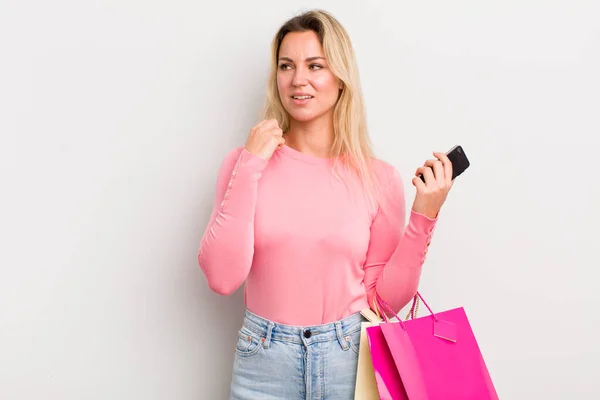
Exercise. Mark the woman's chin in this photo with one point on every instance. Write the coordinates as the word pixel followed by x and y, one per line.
pixel 302 116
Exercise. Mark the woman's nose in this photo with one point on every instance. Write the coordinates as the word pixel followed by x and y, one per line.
pixel 300 77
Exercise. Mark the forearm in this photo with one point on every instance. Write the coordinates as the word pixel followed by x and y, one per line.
pixel 400 277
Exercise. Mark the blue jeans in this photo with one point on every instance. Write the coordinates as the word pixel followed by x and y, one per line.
pixel 275 361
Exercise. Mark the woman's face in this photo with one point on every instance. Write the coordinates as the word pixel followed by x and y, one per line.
pixel 307 87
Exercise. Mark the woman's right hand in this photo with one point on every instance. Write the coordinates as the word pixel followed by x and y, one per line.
pixel 264 138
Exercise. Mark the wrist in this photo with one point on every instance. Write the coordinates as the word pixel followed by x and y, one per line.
pixel 431 214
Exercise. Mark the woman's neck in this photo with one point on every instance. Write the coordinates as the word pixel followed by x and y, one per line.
pixel 311 138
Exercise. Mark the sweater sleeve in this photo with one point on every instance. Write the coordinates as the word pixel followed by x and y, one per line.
pixel 396 250
pixel 227 245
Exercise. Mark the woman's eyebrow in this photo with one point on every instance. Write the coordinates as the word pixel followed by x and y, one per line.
pixel 308 59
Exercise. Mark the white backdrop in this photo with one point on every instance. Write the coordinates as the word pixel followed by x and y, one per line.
pixel 116 114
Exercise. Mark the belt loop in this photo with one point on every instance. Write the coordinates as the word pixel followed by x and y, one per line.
pixel 268 335
pixel 340 335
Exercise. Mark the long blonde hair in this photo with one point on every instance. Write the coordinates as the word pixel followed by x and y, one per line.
pixel 351 145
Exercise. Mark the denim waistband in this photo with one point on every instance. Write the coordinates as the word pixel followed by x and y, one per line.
pixel 273 331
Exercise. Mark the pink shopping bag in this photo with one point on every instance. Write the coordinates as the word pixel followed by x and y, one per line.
pixel 387 378
pixel 436 357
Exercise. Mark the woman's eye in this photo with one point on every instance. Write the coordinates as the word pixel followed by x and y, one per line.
pixel 314 67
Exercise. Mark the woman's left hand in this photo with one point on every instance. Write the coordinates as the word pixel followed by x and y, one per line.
pixel 432 193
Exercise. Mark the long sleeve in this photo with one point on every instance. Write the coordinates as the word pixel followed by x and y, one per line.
pixel 227 246
pixel 396 251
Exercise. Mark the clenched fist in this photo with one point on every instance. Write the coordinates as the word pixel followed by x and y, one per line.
pixel 264 138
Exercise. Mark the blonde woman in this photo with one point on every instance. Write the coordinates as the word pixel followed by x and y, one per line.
pixel 313 223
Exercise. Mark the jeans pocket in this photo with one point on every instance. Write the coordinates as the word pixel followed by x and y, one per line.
pixel 248 343
pixel 353 339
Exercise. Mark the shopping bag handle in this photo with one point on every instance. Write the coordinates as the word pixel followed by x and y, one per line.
pixel 386 307
pixel 414 309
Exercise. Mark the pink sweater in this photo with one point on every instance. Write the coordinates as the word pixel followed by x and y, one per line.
pixel 308 250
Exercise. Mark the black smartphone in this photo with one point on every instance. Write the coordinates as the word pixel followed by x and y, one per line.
pixel 459 161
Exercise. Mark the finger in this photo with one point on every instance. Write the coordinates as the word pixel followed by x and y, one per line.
pixel 280 141
pixel 427 174
pixel 438 171
pixel 272 123
pixel 261 123
pixel 447 165
pixel 418 183
pixel 267 125
pixel 431 163
pixel 277 132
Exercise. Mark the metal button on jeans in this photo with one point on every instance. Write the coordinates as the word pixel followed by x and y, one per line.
pixel 307 333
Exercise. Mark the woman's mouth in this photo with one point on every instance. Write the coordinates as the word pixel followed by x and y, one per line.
pixel 299 100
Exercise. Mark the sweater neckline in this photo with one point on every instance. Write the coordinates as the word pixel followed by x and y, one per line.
pixel 287 150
